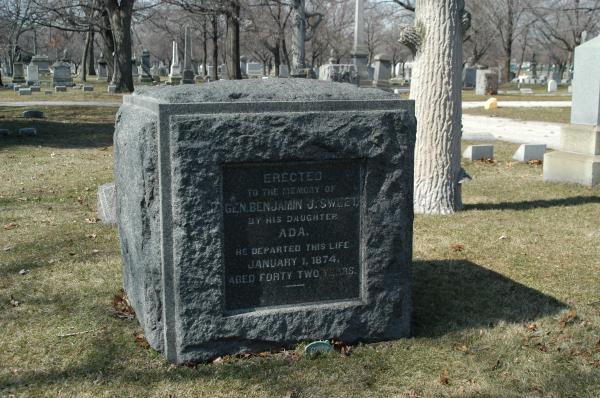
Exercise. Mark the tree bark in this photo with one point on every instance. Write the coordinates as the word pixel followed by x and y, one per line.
pixel 91 69
pixel 508 44
pixel 232 42
pixel 85 56
pixel 215 50
pixel 109 45
pixel 204 46
pixel 120 12
pixel 436 88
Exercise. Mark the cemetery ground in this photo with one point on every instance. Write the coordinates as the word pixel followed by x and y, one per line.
pixel 551 115
pixel 72 94
pixel 506 298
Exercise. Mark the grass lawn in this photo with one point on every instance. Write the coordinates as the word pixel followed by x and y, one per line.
pixel 506 292
pixel 553 115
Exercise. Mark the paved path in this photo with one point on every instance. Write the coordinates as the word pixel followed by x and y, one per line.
pixel 483 128
pixel 519 104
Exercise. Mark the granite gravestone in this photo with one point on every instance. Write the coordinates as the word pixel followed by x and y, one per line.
pixel 486 82
pixel 255 214
pixel 578 160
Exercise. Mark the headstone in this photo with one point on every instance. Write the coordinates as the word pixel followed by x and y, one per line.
pixel 43 64
pixel 48 92
pixel 479 152
pixel 243 64
pixel 28 131
pixel 253 69
pixel 283 71
pixel 106 207
pixel 60 89
pixel 175 73
pixel 188 73
pixel 24 91
pixel 526 91
pixel 35 89
pixel 383 71
pixel 18 73
pixel 360 53
pixel 578 160
pixel 135 74
pixel 146 73
pixel 33 76
pixel 87 88
pixel 552 86
pixel 102 71
pixel 486 82
pixel 162 70
pixel 341 73
pixel 112 89
pixel 33 113
pixel 296 234
pixel 61 74
pixel 469 77
pixel 529 152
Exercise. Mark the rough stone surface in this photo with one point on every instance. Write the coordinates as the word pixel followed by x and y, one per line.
pixel 4 132
pixel 60 89
pixel 479 152
pixel 586 84
pixel 24 91
pixel 528 152
pixel 341 73
pixel 170 144
pixel 106 207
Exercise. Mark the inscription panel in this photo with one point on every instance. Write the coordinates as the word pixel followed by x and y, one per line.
pixel 291 232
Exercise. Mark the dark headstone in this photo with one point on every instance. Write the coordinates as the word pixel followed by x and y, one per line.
pixel 28 131
pixel 33 113
pixel 255 214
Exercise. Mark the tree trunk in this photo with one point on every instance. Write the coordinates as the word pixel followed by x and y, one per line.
pixel 204 46
pixel 215 42
pixel 91 69
pixel 286 55
pixel 436 88
pixel 120 12
pixel 85 56
pixel 232 42
pixel 109 44
pixel 509 39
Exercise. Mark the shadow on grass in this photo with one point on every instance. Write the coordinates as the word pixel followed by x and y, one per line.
pixel 456 294
pixel 58 135
pixel 534 204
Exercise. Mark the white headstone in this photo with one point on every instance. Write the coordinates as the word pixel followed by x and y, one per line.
pixel 586 84
pixel 552 86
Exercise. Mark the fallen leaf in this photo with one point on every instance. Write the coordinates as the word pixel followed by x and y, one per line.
pixel 568 317
pixel 413 394
pixel 218 360
pixel 80 200
pixel 92 236
pixel 457 247
pixel 532 327
pixel 444 379
pixel 24 271
pixel 11 225
pixel 7 248
pixel 95 251
pixel 497 365
pixel 141 341
pixel 535 162
pixel 542 347
pixel 92 220
pixel 121 306
pixel 598 346
pixel 502 237
pixel 290 394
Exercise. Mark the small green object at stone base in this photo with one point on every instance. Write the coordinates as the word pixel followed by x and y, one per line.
pixel 318 347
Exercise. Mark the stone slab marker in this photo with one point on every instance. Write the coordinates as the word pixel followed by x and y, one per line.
pixel 188 73
pixel 258 213
pixel 479 152
pixel 486 82
pixel 528 152
pixel 578 160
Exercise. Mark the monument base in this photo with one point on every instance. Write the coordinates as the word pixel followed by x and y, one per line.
pixel 361 62
pixel 572 167
pixel 146 79
pixel 578 161
pixel 174 80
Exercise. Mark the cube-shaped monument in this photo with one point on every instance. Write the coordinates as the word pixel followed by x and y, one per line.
pixel 586 84
pixel 255 214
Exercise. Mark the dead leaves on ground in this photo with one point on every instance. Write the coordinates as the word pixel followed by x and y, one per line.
pixel 457 247
pixel 10 225
pixel 141 341
pixel 121 306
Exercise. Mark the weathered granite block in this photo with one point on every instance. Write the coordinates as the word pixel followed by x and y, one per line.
pixel 4 132
pixel 33 113
pixel 479 152
pixel 24 91
pixel 255 214
pixel 87 88
pixel 486 82
pixel 106 207
pixel 528 152
pixel 61 89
